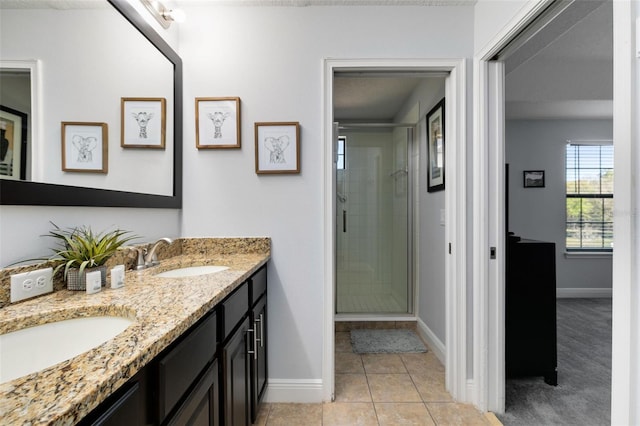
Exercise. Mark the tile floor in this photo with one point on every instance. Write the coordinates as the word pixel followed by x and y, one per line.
pixel 381 389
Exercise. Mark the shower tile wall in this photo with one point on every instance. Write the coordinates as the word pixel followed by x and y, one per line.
pixel 366 252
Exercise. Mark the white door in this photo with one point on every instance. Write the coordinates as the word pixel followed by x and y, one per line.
pixel 489 248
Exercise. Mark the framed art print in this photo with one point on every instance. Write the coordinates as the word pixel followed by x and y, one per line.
pixel 277 148
pixel 435 148
pixel 85 147
pixel 143 122
pixel 217 123
pixel 533 178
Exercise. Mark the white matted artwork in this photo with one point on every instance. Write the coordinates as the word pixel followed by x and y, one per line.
pixel 143 122
pixel 217 123
pixel 277 148
pixel 85 147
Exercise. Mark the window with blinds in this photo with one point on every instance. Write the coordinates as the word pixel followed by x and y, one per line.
pixel 589 180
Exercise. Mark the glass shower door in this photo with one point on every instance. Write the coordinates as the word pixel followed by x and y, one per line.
pixel 372 235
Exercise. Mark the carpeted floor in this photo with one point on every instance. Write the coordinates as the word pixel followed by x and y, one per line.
pixel 583 394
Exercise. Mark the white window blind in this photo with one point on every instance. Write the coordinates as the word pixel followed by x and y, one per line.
pixel 589 201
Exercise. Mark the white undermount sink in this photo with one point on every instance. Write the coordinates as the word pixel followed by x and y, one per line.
pixel 192 271
pixel 32 349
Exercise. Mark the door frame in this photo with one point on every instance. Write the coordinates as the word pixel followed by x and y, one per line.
pixel 455 206
pixel 488 294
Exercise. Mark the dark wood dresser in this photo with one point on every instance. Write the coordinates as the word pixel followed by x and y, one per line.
pixel 530 346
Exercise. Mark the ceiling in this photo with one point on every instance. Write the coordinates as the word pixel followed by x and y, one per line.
pixel 370 97
pixel 560 69
pixel 51 4
pixel 564 70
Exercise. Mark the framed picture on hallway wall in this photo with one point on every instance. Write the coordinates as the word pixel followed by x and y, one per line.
pixel 435 148
pixel 533 178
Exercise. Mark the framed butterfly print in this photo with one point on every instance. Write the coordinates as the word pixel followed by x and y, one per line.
pixel 85 147
pixel 277 148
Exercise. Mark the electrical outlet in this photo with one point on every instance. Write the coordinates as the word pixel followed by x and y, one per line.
pixel 31 284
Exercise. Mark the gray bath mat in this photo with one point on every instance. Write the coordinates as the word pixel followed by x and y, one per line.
pixel 386 341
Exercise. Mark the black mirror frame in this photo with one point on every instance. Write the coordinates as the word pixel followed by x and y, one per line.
pixel 14 192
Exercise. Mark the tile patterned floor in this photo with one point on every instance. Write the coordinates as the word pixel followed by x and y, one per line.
pixel 381 389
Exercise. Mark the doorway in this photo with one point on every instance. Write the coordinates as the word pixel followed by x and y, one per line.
pixel 453 284
pixel 489 287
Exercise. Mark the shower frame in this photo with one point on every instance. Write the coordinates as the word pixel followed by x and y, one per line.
pixel 410 285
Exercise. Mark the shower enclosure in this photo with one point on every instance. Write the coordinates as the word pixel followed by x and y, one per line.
pixel 373 223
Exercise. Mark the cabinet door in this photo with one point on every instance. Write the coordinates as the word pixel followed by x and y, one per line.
pixel 125 410
pixel 201 407
pixel 236 377
pixel 259 357
pixel 181 366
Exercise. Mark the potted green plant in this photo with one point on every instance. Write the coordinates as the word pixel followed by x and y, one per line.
pixel 81 250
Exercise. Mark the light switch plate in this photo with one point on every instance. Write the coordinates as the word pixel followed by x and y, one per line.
pixel 31 284
pixel 93 282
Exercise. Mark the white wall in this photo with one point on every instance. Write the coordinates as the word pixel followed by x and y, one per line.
pixel 272 59
pixel 428 229
pixel 539 213
pixel 22 227
pixel 490 17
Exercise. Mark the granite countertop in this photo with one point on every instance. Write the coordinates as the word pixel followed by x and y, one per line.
pixel 162 308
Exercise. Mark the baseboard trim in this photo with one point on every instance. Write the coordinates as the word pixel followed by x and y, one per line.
pixel 563 293
pixel 292 390
pixel 434 343
pixel 471 394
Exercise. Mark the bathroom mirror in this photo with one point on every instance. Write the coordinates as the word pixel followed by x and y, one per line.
pixel 136 176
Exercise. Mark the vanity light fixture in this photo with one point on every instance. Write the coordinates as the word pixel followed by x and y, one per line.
pixel 163 14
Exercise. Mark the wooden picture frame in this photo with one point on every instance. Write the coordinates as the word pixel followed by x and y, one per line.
pixel 85 147
pixel 436 147
pixel 218 123
pixel 533 178
pixel 277 148
pixel 143 122
pixel 13 144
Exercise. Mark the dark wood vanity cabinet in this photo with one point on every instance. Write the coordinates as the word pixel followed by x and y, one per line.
pixel 245 351
pixel 187 372
pixel 124 407
pixel 258 360
pixel 236 376
pixel 530 315
pixel 214 374
pixel 201 408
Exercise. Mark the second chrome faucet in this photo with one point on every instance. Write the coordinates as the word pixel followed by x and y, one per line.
pixel 147 256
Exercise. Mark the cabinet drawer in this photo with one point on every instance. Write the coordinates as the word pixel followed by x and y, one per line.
pixel 180 367
pixel 258 285
pixel 124 411
pixel 235 307
pixel 201 407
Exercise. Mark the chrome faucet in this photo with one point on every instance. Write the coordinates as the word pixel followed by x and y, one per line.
pixel 147 255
